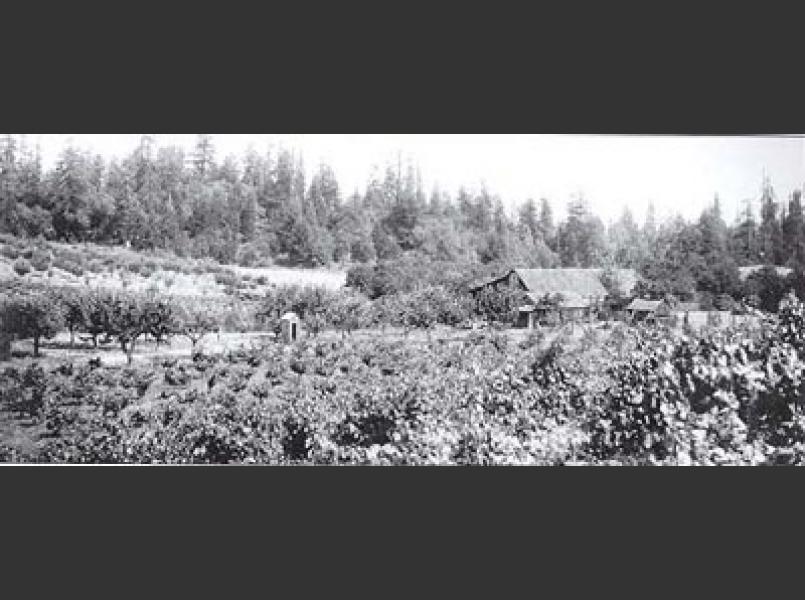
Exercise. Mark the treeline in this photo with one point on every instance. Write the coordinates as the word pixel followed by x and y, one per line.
pixel 261 208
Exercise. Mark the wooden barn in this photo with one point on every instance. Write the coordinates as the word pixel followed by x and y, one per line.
pixel 559 295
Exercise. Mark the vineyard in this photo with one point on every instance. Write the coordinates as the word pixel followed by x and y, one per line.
pixel 619 395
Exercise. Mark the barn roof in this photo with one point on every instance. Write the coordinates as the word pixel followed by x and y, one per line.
pixel 482 283
pixel 574 282
pixel 568 282
pixel 645 305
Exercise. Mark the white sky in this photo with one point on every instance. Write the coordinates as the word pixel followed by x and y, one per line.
pixel 680 174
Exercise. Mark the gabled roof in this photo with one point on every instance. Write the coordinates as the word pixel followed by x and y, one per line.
pixel 482 283
pixel 645 305
pixel 574 282
pixel 567 282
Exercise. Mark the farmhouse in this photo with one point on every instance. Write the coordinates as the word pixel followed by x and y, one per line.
pixel 648 310
pixel 565 294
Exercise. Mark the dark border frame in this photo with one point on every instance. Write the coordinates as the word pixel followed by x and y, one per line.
pixel 403 72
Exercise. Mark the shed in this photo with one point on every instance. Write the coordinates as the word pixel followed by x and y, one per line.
pixel 289 326
pixel 648 310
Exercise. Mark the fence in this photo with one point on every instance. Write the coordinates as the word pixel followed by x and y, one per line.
pixel 699 319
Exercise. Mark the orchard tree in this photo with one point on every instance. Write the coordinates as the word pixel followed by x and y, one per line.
pixel 194 324
pixel 98 315
pixel 131 316
pixel 75 308
pixel 348 312
pixel 159 315
pixel 33 315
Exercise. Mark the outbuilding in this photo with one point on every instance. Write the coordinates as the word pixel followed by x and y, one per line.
pixel 559 295
pixel 648 310
pixel 289 327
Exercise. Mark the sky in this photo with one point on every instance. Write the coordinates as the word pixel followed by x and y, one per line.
pixel 680 175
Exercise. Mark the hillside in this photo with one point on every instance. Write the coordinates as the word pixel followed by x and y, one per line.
pixel 119 268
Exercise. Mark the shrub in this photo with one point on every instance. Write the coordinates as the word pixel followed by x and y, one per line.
pixel 41 259
pixel 499 306
pixel 247 256
pixel 95 266
pixel 147 269
pixel 10 252
pixel 69 266
pixel 227 278
pixel 22 267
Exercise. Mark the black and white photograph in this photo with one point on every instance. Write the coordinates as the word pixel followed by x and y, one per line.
pixel 402 299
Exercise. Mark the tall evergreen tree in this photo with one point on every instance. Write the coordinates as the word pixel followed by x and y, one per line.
pixel 770 233
pixel 625 241
pixel 745 242
pixel 793 232
pixel 204 155
pixel 528 219
pixel 546 224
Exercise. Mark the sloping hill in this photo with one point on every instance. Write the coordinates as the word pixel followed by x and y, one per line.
pixel 118 268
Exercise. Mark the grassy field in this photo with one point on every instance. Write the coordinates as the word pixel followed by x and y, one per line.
pixel 329 278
